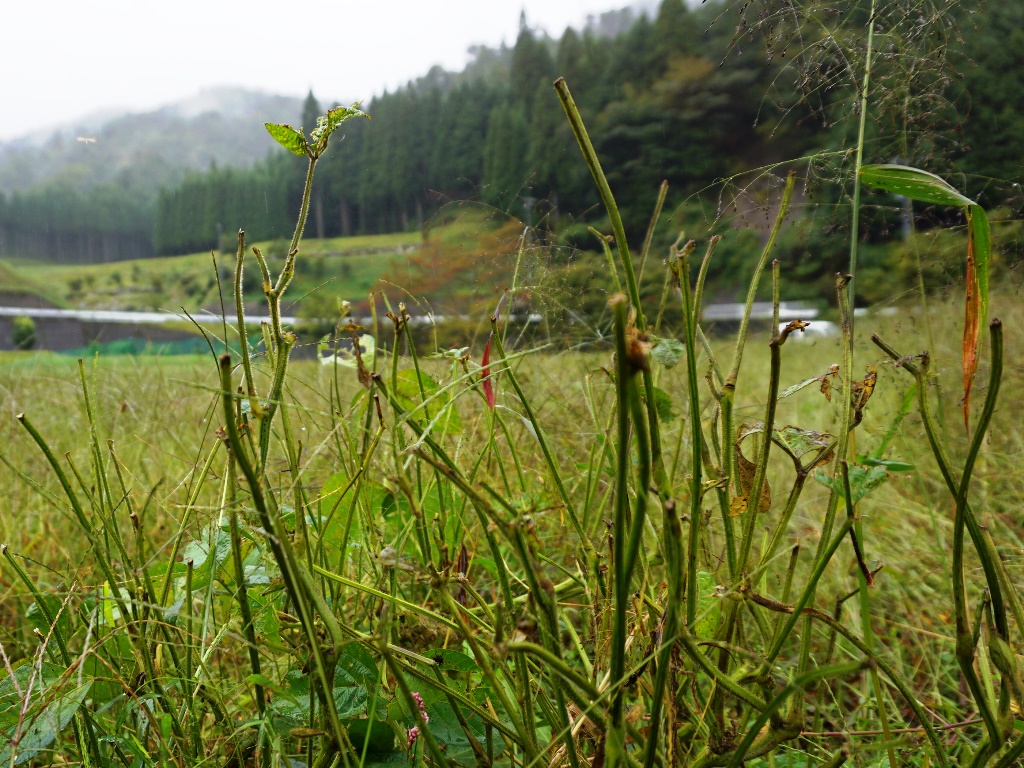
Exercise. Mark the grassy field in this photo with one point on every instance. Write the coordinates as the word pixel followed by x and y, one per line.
pixel 189 281
pixel 504 554
pixel 404 533
pixel 459 250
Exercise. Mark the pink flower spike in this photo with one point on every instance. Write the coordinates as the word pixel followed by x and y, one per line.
pixel 485 365
pixel 414 733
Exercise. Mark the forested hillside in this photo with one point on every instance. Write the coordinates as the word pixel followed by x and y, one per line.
pixel 692 96
pixel 88 193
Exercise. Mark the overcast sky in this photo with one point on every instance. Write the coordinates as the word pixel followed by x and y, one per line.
pixel 62 60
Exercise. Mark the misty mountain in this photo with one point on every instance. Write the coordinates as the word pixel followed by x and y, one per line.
pixel 146 151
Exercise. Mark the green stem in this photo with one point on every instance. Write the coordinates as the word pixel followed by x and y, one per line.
pixel 855 218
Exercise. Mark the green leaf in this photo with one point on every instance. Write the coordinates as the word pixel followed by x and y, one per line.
pixel 789 391
pixel 664 406
pixel 408 393
pixel 329 123
pixel 913 183
pixel 889 464
pixel 204 566
pixel 335 495
pixel 708 606
pixel 356 666
pixel 289 138
pixel 445 727
pixel 981 235
pixel 57 609
pixel 41 727
pixel 667 351
pixel 929 188
pixel 381 747
pixel 863 480
pixel 450 660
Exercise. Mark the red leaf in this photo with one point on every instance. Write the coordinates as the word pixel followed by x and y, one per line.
pixel 972 327
pixel 485 372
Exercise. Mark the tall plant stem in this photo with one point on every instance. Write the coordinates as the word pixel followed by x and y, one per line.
pixel 615 745
pixel 282 343
pixel 280 546
pixel 859 161
pixel 729 388
pixel 661 480
pixel 965 643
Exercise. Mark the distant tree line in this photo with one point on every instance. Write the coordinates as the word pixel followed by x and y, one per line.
pixel 690 96
pixel 659 104
pixel 107 222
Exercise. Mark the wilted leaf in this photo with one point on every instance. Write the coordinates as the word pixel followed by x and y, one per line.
pixel 485 374
pixel 747 470
pixel 667 351
pixel 972 323
pixel 826 389
pixel 737 506
pixel 929 188
pixel 861 391
pixel 826 384
pixel 289 138
pixel 798 442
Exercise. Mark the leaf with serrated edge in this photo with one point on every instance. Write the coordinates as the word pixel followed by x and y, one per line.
pixel 667 351
pixel 329 123
pixel 289 138
pixel 863 480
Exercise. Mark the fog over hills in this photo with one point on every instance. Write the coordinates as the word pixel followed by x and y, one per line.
pixel 147 150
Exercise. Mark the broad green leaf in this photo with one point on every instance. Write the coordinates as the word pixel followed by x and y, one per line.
pixel 929 188
pixel 381 747
pixel 863 480
pixel 335 495
pixel 445 727
pixel 41 727
pixel 913 183
pixel 667 351
pixel 55 608
pixel 265 619
pixel 204 567
pixel 664 406
pixel 356 666
pixel 708 606
pixel 289 138
pixel 450 660
pixel 355 676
